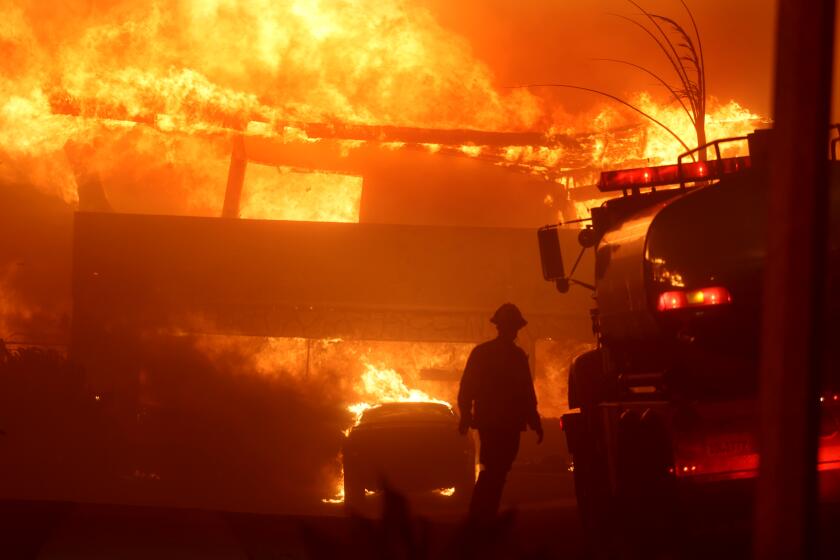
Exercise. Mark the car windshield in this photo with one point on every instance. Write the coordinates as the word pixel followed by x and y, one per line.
pixel 407 411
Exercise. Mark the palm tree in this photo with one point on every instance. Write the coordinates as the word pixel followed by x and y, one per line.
pixel 684 54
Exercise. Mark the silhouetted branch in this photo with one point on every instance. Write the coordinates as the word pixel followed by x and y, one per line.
pixel 674 93
pixel 679 67
pixel 700 49
pixel 674 63
pixel 614 98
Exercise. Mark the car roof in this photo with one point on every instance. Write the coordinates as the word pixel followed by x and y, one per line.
pixel 400 411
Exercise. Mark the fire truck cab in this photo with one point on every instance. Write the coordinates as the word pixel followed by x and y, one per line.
pixel 662 410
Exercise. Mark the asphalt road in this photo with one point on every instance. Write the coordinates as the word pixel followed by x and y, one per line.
pixel 53 530
pixel 540 522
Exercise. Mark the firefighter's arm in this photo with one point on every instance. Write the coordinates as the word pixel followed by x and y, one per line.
pixel 537 427
pixel 536 424
pixel 467 392
pixel 534 421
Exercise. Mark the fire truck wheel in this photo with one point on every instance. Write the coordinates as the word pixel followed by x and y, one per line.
pixel 587 383
pixel 645 493
pixel 591 490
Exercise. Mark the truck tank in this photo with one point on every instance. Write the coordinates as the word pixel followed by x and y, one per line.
pixel 706 238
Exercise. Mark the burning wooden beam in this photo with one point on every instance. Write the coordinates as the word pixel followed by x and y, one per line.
pixel 413 135
pixel 64 104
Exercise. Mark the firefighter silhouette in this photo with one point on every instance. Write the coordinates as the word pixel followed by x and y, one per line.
pixel 497 398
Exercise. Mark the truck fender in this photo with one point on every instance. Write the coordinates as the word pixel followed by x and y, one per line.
pixel 586 379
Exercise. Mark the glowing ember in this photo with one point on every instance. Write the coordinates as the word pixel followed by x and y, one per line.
pixel 473 151
pixel 446 491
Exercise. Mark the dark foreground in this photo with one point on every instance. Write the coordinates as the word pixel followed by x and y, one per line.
pixel 50 530
pixel 67 530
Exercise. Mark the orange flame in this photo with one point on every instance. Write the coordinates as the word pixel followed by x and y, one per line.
pixel 159 91
pixel 381 385
pixel 285 194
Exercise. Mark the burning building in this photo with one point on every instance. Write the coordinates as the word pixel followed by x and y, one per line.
pixel 314 192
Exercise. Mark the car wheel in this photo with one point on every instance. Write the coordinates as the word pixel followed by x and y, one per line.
pixel 464 487
pixel 354 492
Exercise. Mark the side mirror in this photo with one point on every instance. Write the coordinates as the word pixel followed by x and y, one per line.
pixel 551 256
pixel 587 237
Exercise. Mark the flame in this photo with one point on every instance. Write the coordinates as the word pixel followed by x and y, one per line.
pixel 379 385
pixel 383 385
pixel 203 68
pixel 472 151
pixel 725 120
pixel 349 373
pixel 285 194
pixel 158 100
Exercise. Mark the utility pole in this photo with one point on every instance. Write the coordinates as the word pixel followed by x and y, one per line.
pixel 794 291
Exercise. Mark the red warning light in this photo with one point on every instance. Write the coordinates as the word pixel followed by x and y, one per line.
pixel 680 299
pixel 671 300
pixel 644 177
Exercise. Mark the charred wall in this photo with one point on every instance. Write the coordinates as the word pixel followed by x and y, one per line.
pixel 312 280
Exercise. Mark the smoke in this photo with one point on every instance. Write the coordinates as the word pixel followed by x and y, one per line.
pixel 35 263
pixel 224 428
pixel 553 41
pixel 242 422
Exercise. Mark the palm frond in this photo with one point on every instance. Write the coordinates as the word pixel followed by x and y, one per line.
pixel 614 98
pixel 680 70
pixel 700 49
pixel 674 92
pixel 687 43
pixel 684 52
pixel 673 60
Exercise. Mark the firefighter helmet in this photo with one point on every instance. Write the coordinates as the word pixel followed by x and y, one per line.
pixel 508 315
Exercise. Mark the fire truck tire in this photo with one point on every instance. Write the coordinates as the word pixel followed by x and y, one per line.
pixel 587 383
pixel 645 492
pixel 591 486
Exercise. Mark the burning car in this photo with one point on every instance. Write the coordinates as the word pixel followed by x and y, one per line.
pixel 413 446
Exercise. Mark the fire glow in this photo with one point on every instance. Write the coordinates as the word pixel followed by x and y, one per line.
pixel 356 375
pixel 381 385
pixel 156 102
pixel 144 102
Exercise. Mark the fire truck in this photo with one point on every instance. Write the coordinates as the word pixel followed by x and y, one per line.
pixel 663 408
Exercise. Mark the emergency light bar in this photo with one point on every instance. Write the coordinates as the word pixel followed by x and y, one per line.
pixel 704 297
pixel 680 173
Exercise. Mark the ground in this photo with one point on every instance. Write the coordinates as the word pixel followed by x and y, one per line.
pixel 51 530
